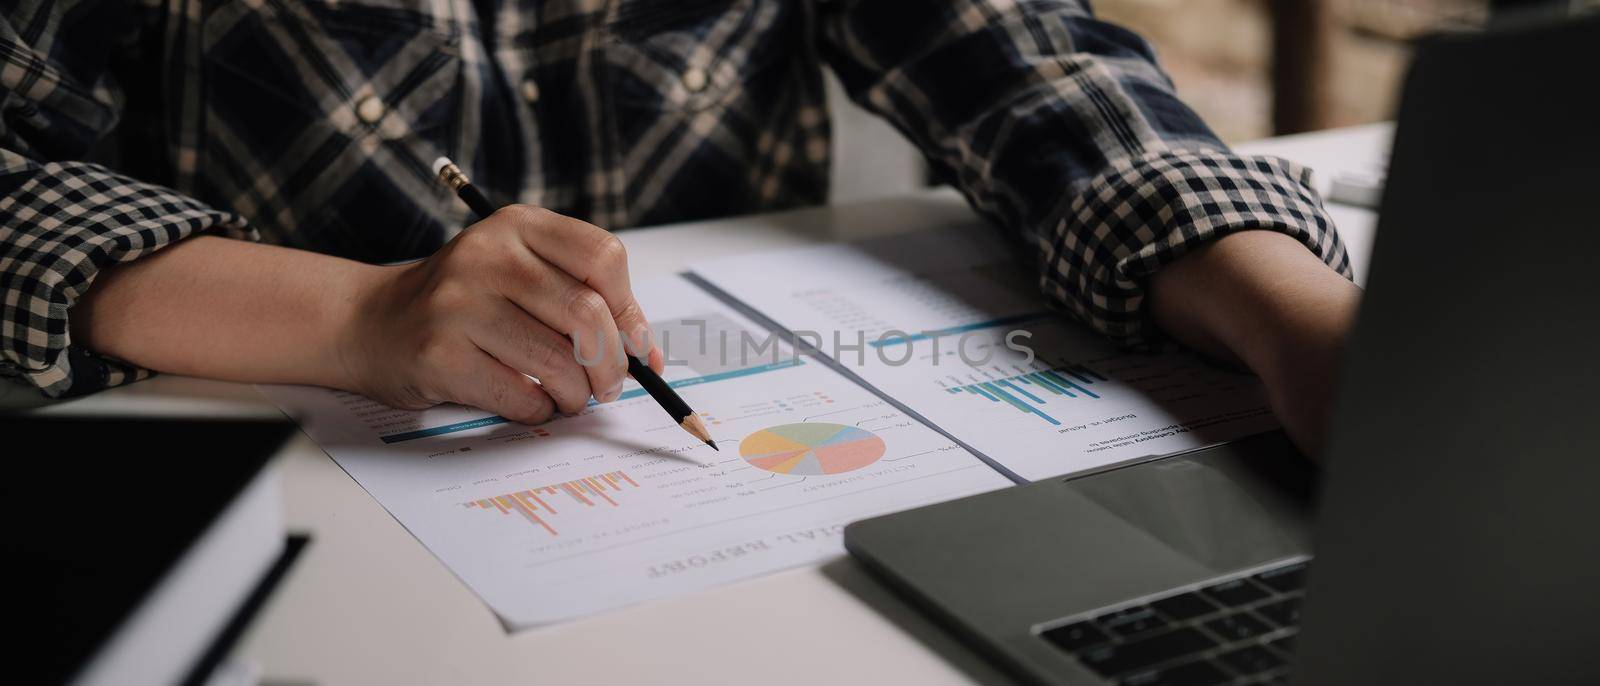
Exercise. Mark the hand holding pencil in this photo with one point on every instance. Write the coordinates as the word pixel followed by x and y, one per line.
pixel 471 323
pixel 635 339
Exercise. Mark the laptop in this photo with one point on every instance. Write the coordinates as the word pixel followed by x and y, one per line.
pixel 1452 539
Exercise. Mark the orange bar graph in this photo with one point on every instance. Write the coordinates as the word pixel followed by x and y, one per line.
pixel 531 503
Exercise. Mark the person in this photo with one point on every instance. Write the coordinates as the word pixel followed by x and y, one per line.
pixel 213 189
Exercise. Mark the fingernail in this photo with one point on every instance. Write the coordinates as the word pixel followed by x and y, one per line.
pixel 614 393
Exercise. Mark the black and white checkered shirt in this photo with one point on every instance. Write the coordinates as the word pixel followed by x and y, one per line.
pixel 315 122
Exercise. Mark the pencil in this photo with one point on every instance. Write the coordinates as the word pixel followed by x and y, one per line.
pixel 668 399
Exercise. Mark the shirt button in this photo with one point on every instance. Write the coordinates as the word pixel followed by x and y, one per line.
pixel 694 79
pixel 370 109
pixel 530 90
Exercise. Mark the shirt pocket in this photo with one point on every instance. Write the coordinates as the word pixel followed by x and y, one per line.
pixel 321 118
pixel 694 55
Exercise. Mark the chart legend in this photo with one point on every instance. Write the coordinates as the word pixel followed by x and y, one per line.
pixel 534 503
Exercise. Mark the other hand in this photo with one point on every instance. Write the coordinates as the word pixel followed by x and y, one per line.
pixel 1261 299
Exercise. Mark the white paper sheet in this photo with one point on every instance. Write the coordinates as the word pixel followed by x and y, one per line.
pixel 925 318
pixel 618 505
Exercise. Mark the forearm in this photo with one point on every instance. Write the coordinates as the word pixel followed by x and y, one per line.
pixel 1235 297
pixel 1063 131
pixel 225 309
pixel 1261 299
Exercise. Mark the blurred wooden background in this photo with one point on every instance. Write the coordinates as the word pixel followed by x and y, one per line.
pixel 1252 68
pixel 1256 68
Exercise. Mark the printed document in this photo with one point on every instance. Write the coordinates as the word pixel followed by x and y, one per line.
pixel 950 324
pixel 618 505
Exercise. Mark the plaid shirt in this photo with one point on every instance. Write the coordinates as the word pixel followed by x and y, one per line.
pixel 127 125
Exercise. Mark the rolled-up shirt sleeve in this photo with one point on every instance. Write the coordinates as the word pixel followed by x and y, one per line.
pixel 60 224
pixel 63 220
pixel 1064 131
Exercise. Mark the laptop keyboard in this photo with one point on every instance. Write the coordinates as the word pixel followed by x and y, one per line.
pixel 1238 629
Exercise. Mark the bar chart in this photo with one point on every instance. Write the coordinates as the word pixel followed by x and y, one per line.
pixel 1028 391
pixel 534 503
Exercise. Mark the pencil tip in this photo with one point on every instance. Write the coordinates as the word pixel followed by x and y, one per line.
pixel 697 428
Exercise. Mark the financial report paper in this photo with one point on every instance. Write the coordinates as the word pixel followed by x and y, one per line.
pixel 950 324
pixel 618 505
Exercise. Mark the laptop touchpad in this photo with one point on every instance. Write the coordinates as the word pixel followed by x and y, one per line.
pixel 1223 513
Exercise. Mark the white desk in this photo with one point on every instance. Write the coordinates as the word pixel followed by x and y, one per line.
pixel 368 604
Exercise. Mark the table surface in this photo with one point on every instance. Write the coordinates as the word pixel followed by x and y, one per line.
pixel 368 603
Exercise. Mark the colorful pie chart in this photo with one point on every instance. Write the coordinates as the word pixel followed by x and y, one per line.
pixel 811 448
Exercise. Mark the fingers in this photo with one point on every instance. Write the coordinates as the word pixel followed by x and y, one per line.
pixel 523 343
pixel 487 384
pixel 568 275
pixel 570 308
pixel 593 257
pixel 657 359
pixel 633 326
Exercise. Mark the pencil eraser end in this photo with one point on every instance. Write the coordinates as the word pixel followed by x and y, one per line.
pixel 439 164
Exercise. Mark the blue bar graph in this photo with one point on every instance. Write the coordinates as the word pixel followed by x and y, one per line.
pixel 632 393
pixel 1069 381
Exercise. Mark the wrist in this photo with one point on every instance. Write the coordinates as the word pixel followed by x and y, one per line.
pixel 1298 321
pixel 358 300
pixel 1304 343
pixel 1264 300
pixel 1255 297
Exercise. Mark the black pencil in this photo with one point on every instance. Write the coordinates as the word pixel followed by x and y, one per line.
pixel 652 383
